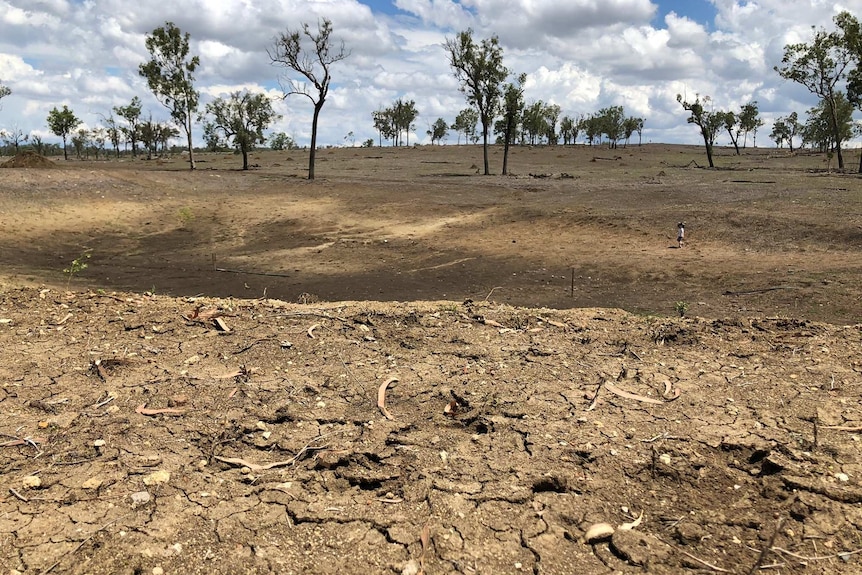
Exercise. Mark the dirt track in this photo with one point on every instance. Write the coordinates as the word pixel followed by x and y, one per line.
pixel 147 433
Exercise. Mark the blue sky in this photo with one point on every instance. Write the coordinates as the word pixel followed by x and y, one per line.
pixel 582 55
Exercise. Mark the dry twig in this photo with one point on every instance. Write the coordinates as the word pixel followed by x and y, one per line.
pixel 381 397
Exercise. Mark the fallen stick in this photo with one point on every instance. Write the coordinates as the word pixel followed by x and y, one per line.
pixel 18 495
pixel 381 397
pixel 615 390
pixel 841 428
pixel 271 274
pixel 258 467
pixel 761 290
pixel 704 563
pixel 25 441
pixel 311 330
pixel 595 398
pixel 142 409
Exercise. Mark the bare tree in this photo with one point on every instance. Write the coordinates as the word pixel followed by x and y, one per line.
pixel 311 56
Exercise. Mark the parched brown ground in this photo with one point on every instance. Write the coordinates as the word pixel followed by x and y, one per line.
pixel 519 416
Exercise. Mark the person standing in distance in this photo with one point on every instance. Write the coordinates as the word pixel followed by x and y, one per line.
pixel 680 234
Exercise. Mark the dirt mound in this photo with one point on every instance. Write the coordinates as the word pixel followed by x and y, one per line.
pixel 144 433
pixel 28 160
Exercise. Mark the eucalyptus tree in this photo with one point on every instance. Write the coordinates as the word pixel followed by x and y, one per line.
pixel 310 55
pixel 552 116
pixel 62 123
pixel 438 130
pixel 568 130
pixel 785 129
pixel 612 119
pixel 132 115
pixel 513 107
pixel 170 76
pixel 241 118
pixel 404 115
pixel 852 39
pixel 479 69
pixel 384 123
pixel 817 131
pixel 749 121
pixel 630 126
pixel 730 122
pixel 709 122
pixel 820 66
pixel 535 122
pixel 465 123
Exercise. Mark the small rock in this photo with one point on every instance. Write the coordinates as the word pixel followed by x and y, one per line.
pixel 688 533
pixel 158 571
pixel 260 425
pixel 842 477
pixel 31 482
pixel 140 498
pixel 410 568
pixel 99 443
pixel 638 548
pixel 178 400
pixel 664 458
pixel 92 483
pixel 157 477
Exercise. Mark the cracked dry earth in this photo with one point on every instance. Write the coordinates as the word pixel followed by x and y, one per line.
pixel 141 437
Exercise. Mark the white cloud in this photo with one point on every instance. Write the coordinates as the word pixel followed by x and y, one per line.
pixel 581 54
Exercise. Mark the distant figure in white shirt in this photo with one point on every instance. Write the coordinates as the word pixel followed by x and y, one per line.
pixel 680 234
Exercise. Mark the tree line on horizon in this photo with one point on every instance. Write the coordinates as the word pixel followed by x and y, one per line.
pixel 495 98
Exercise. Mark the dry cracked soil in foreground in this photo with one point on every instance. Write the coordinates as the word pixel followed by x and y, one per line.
pixel 151 434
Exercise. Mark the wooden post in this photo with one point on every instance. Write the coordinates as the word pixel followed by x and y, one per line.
pixel 573 283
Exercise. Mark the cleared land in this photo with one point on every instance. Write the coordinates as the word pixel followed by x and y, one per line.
pixel 207 427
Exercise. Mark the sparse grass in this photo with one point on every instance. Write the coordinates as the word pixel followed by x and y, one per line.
pixel 185 215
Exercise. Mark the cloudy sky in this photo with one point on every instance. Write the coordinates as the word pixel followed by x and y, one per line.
pixel 580 54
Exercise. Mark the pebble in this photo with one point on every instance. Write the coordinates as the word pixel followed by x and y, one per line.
pixel 31 482
pixel 92 483
pixel 157 477
pixel 410 568
pixel 140 498
pixel 158 571
pixel 99 443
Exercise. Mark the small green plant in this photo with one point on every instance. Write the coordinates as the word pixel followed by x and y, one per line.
pixel 681 307
pixel 185 215
pixel 78 265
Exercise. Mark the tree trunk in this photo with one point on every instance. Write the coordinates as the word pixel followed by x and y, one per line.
pixel 708 151
pixel 244 151
pixel 506 137
pixel 188 127
pixel 65 153
pixel 485 146
pixel 317 106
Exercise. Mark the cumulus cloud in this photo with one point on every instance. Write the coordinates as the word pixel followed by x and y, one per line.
pixel 581 54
